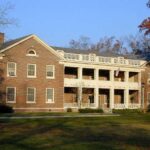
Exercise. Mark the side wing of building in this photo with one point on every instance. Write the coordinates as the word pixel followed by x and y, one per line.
pixel 33 76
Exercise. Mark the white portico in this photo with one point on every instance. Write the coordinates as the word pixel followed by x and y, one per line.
pixel 101 82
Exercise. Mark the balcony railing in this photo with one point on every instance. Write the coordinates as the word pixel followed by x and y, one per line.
pixel 130 106
pixel 101 59
pixel 119 106
pixel 134 106
pixel 70 105
pixel 82 105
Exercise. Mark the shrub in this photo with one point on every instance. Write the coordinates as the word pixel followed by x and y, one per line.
pixel 148 108
pixel 6 109
pixel 89 110
pixel 69 110
pixel 126 111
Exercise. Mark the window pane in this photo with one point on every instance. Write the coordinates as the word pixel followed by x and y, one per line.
pixel 31 70
pixel 32 52
pixel 49 71
pixel 49 94
pixel 10 94
pixel 31 93
pixel 11 69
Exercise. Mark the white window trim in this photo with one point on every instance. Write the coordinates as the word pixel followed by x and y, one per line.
pixel 34 55
pixel 53 77
pixel 15 70
pixel 7 101
pixel 52 101
pixel 29 102
pixel 29 76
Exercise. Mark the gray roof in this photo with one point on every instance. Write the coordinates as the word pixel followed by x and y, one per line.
pixel 79 51
pixel 11 42
pixel 104 53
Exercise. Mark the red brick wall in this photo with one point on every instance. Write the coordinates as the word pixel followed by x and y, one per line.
pixel 146 85
pixel 21 82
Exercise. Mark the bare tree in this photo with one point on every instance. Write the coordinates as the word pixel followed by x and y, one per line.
pixel 5 9
pixel 106 44
pixel 139 44
pixel 83 43
pixel 5 21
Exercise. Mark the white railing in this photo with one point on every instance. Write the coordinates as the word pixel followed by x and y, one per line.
pixel 87 105
pixel 134 106
pixel 83 105
pixel 100 59
pixel 119 106
pixel 130 106
pixel 70 105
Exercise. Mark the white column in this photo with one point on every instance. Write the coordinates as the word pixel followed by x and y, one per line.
pixel 112 98
pixel 140 91
pixel 112 89
pixel 80 87
pixel 126 76
pixel 96 74
pixel 79 96
pixel 112 75
pixel 96 91
pixel 96 97
pixel 139 77
pixel 80 73
pixel 126 97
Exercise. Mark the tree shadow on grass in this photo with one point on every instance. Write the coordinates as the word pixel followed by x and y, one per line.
pixel 69 137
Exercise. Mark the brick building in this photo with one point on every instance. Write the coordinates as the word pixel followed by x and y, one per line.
pixel 146 86
pixel 39 77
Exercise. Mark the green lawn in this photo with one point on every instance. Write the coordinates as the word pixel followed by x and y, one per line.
pixel 129 132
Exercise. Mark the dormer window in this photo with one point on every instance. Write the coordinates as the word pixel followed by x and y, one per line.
pixel 31 52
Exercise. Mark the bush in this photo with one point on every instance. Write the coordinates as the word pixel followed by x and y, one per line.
pixel 6 109
pixel 69 110
pixel 89 110
pixel 148 108
pixel 126 111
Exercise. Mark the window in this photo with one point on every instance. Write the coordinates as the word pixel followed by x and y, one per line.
pixel 85 57
pixel 91 99
pixel 49 95
pixel 50 71
pixel 11 69
pixel 148 81
pixel 11 94
pixel 31 70
pixel 31 92
pixel 31 52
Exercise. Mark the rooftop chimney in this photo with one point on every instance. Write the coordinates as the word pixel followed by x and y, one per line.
pixel 1 38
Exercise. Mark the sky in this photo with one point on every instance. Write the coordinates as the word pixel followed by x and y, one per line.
pixel 58 21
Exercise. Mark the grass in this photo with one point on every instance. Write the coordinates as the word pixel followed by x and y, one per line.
pixel 125 132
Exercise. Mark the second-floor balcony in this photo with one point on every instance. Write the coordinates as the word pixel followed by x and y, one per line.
pixel 101 75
